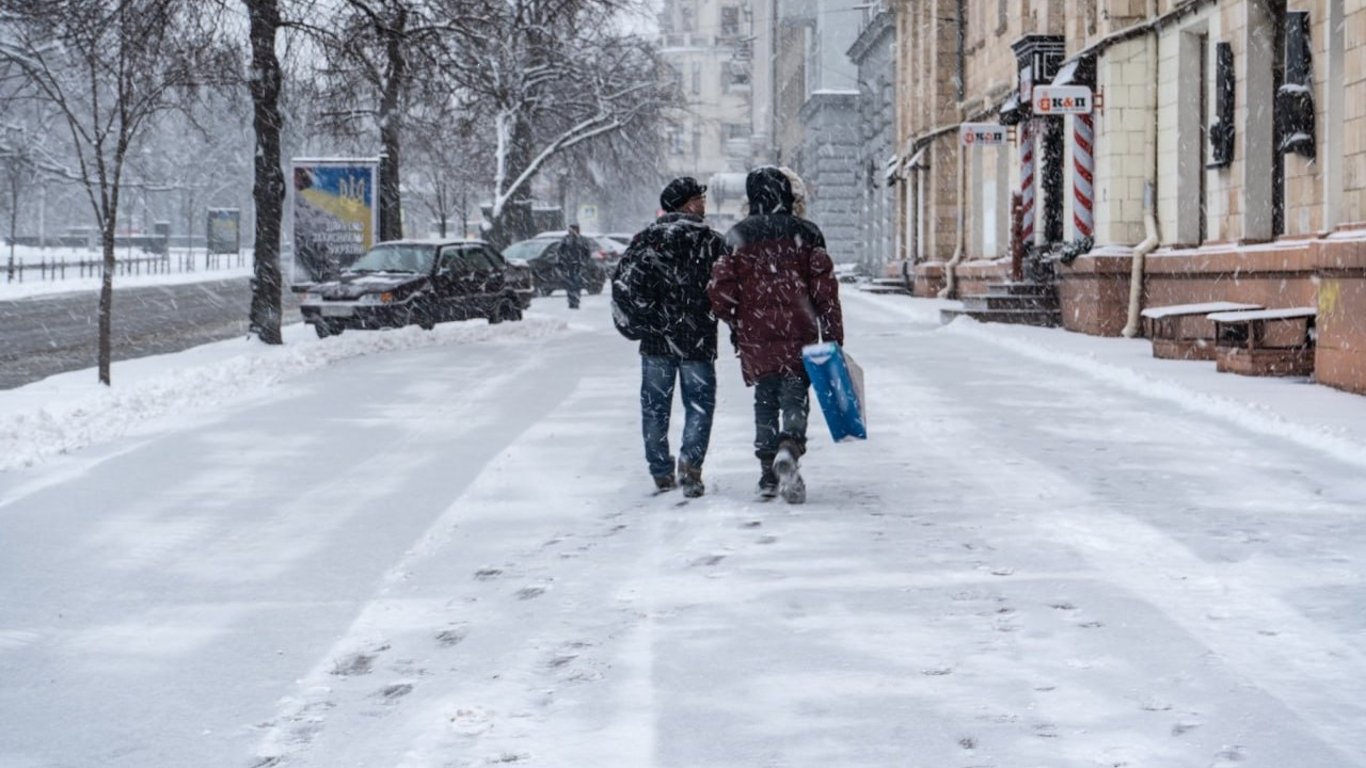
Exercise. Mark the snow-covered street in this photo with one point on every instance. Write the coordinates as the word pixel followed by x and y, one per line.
pixel 409 549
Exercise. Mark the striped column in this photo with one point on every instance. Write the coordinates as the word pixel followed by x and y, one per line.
pixel 1084 167
pixel 1027 182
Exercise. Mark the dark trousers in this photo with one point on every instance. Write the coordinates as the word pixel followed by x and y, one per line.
pixel 781 406
pixel 573 283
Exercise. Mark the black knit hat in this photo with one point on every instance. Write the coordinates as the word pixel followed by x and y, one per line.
pixel 679 192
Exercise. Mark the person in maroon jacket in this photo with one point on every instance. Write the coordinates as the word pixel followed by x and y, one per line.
pixel 777 291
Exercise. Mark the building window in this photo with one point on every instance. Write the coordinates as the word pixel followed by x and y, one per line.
pixel 735 130
pixel 696 78
pixel 735 74
pixel 688 21
pixel 730 21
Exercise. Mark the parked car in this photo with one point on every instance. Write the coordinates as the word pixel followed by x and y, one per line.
pixel 517 273
pixel 541 254
pixel 413 282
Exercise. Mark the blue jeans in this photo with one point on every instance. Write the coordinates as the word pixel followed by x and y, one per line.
pixel 781 406
pixel 657 377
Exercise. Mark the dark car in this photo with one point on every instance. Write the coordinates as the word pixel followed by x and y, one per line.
pixel 413 282
pixel 517 273
pixel 541 254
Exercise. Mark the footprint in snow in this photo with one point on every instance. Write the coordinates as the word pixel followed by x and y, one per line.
pixel 450 637
pixel 1229 756
pixel 395 692
pixel 484 574
pixel 527 593
pixel 708 560
pixel 1182 727
pixel 357 663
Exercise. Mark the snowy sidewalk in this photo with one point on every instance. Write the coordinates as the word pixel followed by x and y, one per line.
pixel 409 549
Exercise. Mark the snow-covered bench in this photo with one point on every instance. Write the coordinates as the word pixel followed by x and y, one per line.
pixel 1183 332
pixel 1267 342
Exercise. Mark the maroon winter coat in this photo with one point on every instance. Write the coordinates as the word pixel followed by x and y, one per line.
pixel 777 286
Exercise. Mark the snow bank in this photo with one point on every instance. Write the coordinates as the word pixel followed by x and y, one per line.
pixel 72 410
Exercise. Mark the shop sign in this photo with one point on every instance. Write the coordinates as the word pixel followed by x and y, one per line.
pixel 983 134
pixel 1062 100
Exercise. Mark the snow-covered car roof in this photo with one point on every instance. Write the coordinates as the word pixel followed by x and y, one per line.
pixel 432 241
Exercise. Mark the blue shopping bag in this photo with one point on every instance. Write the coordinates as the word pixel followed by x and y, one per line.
pixel 838 382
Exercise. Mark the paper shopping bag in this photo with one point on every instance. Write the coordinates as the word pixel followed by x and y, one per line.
pixel 838 383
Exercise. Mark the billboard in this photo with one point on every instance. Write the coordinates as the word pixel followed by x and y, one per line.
pixel 225 230
pixel 335 213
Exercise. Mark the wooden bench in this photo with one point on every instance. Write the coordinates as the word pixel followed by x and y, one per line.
pixel 1183 331
pixel 1267 342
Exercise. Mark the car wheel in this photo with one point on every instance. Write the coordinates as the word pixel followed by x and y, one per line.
pixel 325 329
pixel 425 317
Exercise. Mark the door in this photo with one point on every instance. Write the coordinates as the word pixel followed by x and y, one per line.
pixel 477 281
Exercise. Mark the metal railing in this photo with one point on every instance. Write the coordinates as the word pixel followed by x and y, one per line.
pixel 54 268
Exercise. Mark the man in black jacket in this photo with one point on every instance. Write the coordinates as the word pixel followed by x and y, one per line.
pixel 659 297
pixel 575 254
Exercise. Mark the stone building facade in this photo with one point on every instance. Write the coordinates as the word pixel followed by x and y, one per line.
pixel 1231 138
pixel 873 56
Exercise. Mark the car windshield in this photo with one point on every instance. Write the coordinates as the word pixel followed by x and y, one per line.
pixel 526 250
pixel 396 258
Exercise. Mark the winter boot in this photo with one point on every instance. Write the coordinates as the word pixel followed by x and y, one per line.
pixel 790 484
pixel 768 480
pixel 665 483
pixel 690 478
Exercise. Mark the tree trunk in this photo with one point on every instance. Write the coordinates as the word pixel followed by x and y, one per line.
pixel 515 222
pixel 268 192
pixel 390 121
pixel 107 295
pixel 13 222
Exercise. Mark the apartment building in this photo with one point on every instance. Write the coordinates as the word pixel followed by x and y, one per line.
pixel 1226 150
pixel 708 47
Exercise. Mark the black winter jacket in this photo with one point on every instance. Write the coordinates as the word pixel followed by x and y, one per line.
pixel 659 289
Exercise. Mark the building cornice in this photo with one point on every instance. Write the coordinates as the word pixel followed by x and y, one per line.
pixel 820 100
pixel 877 28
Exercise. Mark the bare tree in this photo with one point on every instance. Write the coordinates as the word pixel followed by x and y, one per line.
pixel 449 167
pixel 549 76
pixel 268 192
pixel 379 53
pixel 20 169
pixel 109 67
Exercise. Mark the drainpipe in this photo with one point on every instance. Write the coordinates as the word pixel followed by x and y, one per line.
pixel 950 289
pixel 1150 239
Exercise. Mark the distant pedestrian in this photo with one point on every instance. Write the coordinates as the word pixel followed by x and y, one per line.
pixel 777 292
pixel 575 254
pixel 659 297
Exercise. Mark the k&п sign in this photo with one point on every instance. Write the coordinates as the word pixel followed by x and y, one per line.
pixel 982 135
pixel 1062 100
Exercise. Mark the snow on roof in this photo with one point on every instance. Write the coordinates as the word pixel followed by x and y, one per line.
pixel 1198 309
